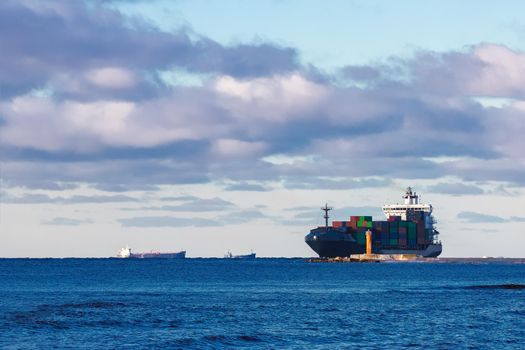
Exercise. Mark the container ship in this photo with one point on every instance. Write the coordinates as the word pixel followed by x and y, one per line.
pixel 409 228
pixel 127 254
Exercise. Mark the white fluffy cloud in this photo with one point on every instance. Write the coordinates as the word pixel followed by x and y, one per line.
pixel 106 104
pixel 231 148
pixel 502 73
pixel 277 99
pixel 111 77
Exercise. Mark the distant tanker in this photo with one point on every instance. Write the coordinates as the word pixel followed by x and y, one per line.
pixel 127 254
pixel 409 229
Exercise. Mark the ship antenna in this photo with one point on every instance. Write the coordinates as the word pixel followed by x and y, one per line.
pixel 326 209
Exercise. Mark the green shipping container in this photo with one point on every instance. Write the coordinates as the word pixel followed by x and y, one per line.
pixel 412 234
pixel 393 241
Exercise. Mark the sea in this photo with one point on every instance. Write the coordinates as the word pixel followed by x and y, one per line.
pixel 259 304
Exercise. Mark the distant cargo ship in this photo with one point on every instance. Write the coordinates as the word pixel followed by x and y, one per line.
pixel 126 254
pixel 250 256
pixel 409 229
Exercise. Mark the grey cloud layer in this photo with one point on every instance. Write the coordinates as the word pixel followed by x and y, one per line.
pixel 62 221
pixel 56 39
pixel 76 199
pixel 232 218
pixel 455 189
pixel 192 204
pixel 114 124
pixel 473 217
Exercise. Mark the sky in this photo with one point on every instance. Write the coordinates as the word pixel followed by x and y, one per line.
pixel 225 125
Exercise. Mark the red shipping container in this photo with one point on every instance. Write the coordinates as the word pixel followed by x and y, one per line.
pixel 364 224
pixel 402 230
pixel 337 224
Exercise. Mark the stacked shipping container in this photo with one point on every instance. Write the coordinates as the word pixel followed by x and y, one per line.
pixel 393 233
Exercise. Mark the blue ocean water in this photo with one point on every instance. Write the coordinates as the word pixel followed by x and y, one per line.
pixel 261 304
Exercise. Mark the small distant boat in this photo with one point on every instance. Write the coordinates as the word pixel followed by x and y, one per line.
pixel 250 256
pixel 125 253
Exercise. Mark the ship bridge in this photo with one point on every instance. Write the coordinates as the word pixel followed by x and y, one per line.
pixel 408 210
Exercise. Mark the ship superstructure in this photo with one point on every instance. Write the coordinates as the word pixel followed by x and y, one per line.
pixel 124 253
pixel 409 229
pixel 412 210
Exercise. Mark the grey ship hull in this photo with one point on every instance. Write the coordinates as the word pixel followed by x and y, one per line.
pixel 332 243
pixel 241 257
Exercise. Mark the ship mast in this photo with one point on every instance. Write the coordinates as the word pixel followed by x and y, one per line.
pixel 326 209
pixel 411 197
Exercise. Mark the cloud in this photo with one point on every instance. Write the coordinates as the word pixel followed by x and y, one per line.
pixel 167 221
pixel 504 169
pixel 276 99
pixel 75 199
pixel 118 187
pixel 139 173
pixel 503 72
pixel 233 218
pixel 62 221
pixel 203 204
pixel 111 77
pixel 243 216
pixel 473 217
pixel 230 148
pixel 455 189
pixel 58 40
pixel 301 208
pixel 178 198
pixel 244 186
pixel 84 102
pixel 192 204
pixel 329 184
